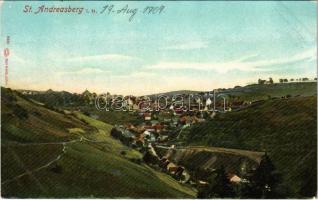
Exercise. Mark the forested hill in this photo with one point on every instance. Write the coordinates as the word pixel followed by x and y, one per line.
pixel 285 128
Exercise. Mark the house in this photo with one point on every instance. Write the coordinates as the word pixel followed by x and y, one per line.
pixel 164 162
pixel 172 168
pixel 150 129
pixel 149 136
pixel 163 138
pixel 178 111
pixel 212 115
pixel 147 116
pixel 154 122
pixel 135 107
pixel 159 126
pixel 233 178
pixel 139 138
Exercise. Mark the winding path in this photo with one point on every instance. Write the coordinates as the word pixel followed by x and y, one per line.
pixel 29 172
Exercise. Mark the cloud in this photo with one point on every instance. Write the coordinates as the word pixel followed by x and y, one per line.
pixel 136 74
pixel 309 54
pixel 104 57
pixel 141 74
pixel 98 71
pixel 219 67
pixel 188 46
pixel 85 71
pixel 15 58
pixel 239 64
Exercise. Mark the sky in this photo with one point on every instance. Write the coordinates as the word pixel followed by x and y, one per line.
pixel 188 46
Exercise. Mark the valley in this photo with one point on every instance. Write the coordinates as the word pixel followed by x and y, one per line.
pixel 62 146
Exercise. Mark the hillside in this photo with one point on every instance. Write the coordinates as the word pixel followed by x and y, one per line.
pixel 256 92
pixel 172 93
pixel 285 128
pixel 112 117
pixel 262 92
pixel 57 155
pixel 55 98
pixel 201 160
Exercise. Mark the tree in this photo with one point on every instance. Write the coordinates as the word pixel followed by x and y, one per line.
pixel 116 133
pixel 271 81
pixel 281 80
pixel 57 168
pixel 264 181
pixel 150 158
pixel 305 79
pixel 291 80
pixel 261 82
pixel 219 186
pixel 285 80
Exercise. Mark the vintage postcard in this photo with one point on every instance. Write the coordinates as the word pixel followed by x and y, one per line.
pixel 158 99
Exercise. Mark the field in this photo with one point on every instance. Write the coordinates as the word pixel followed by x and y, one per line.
pixel 263 92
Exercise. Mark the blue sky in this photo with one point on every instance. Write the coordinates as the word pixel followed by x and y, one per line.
pixel 190 45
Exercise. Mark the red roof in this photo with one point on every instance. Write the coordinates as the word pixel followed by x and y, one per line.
pixel 147 114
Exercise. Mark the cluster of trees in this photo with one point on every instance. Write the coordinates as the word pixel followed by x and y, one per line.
pixel 117 134
pixel 283 80
pixel 261 82
pixel 63 98
pixel 294 80
pixel 263 183
pixel 8 96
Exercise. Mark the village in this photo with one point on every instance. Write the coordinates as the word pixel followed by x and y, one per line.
pixel 162 129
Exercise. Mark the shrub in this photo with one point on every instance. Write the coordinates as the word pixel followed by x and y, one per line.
pixel 57 169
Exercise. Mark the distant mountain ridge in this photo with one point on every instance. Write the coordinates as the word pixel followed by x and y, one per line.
pixel 245 93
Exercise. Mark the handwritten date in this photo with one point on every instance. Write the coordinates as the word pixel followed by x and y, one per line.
pixel 149 10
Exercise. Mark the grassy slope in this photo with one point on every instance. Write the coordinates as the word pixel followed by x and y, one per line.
pixel 87 169
pixel 262 92
pixel 286 129
pixel 113 117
